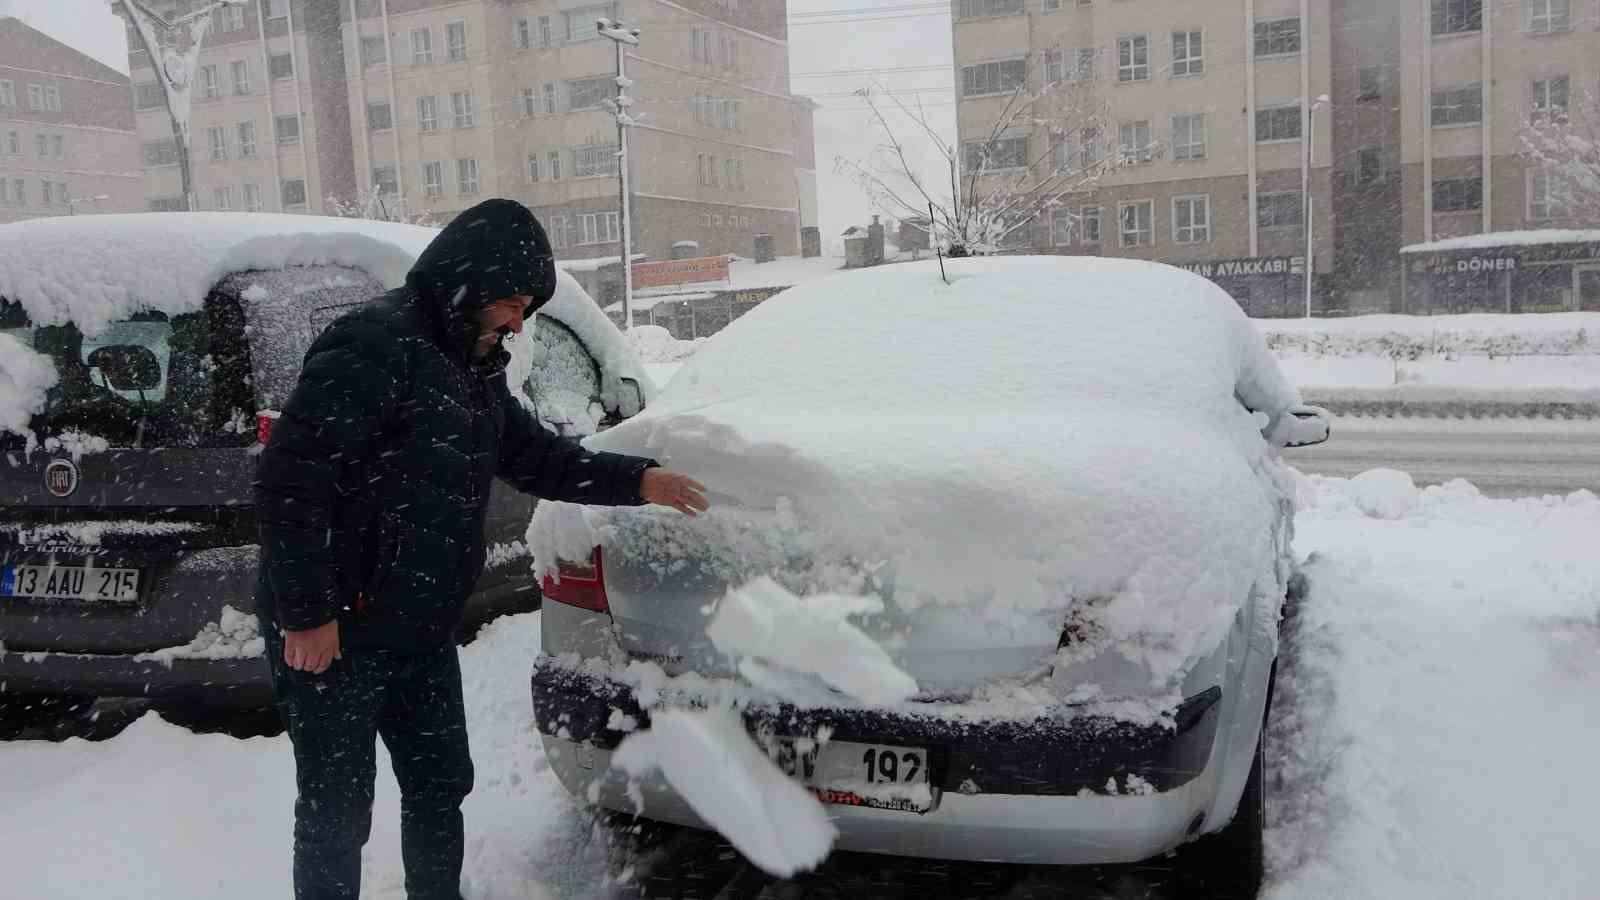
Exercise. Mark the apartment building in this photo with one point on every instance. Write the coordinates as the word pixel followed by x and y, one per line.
pixel 1212 103
pixel 270 123
pixel 457 100
pixel 67 143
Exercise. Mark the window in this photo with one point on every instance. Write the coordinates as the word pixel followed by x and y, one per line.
pixel 599 228
pixel 58 146
pixel 1137 222
pixel 523 37
pixel 1092 151
pixel 217 139
pixel 433 179
pixel 1008 153
pixel 593 161
pixel 52 98
pixel 730 115
pixel 1457 16
pixel 379 116
pixel 1369 167
pixel 161 153
pixel 1052 5
pixel 427 114
pixel 1189 136
pixel 1187 54
pixel 35 97
pixel 533 167
pixel 1457 194
pixel 13 145
pixel 385 181
pixel 1369 83
pixel 277 9
pixel 1278 123
pixel 165 204
pixel 1060 153
pixel 421 46
pixel 1546 196
pixel 1062 226
pixel 247 140
pixel 1547 16
pixel 700 44
pixel 555 165
pixel 8 94
pixel 1279 210
pixel 549 97
pixel 467 176
pixel 589 93
pixel 240 69
pixel 286 129
pixel 19 190
pixel 1550 97
pixel 1083 64
pixel 1278 37
pixel 977 9
pixel 294 193
pixel 1055 65
pixel 210 84
pixel 1457 106
pixel 708 169
pixel 228 19
pixel 1089 223
pixel 1133 58
pixel 546 38
pixel 41 146
pixel 733 174
pixel 280 65
pixel 373 51
pixel 148 95
pixel 252 198
pixel 530 103
pixel 461 109
pixel 455 40
pixel 222 198
pixel 560 231
pixel 993 78
pixel 730 52
pixel 581 22
pixel 1191 219
pixel 1135 142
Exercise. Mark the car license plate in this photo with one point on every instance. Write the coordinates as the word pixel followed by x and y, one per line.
pixel 877 776
pixel 70 583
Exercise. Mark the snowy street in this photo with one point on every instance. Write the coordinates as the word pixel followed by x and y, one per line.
pixel 1448 651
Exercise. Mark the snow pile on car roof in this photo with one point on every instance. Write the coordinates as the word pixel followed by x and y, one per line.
pixel 1039 434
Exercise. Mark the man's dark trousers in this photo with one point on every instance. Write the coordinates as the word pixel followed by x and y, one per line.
pixel 413 700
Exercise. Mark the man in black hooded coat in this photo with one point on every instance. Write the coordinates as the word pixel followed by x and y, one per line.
pixel 371 497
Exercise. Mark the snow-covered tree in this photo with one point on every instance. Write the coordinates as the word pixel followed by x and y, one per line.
pixel 1564 149
pixel 375 203
pixel 1043 148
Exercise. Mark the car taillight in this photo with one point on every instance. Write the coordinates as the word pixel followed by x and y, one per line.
pixel 264 420
pixel 582 585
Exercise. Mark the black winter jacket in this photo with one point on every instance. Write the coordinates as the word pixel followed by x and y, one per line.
pixel 372 491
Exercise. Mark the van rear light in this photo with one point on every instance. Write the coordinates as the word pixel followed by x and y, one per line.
pixel 264 422
pixel 582 585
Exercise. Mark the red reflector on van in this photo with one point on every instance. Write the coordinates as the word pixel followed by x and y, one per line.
pixel 582 585
pixel 264 422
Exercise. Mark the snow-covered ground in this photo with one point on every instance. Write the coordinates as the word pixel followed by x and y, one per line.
pixel 1435 738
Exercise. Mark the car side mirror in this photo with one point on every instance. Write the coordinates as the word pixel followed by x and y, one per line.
pixel 630 400
pixel 127 367
pixel 1302 426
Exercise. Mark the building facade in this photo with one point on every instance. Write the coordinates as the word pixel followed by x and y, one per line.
pixel 456 100
pixel 67 142
pixel 1211 104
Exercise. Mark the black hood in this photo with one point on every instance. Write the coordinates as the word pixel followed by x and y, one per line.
pixel 488 253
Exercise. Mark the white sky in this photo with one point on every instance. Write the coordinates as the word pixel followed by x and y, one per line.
pixel 909 33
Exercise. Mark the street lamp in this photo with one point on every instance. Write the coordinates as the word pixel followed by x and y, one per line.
pixel 623 37
pixel 72 202
pixel 1305 189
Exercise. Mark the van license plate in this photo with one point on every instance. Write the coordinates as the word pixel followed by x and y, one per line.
pixel 876 776
pixel 70 583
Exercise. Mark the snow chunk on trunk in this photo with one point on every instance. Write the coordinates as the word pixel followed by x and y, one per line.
pixel 730 783
pixel 811 635
pixel 25 376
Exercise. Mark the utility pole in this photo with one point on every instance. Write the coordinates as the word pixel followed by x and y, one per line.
pixel 1305 187
pixel 624 38
pixel 175 63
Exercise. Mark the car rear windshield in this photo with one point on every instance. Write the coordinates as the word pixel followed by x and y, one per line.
pixel 151 380
pixel 286 309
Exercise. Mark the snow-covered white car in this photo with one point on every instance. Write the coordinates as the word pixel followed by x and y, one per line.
pixel 141 359
pixel 995 565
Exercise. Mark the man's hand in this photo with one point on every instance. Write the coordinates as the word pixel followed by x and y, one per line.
pixel 312 650
pixel 680 492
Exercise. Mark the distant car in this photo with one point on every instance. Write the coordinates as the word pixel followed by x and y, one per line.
pixel 996 428
pixel 127 538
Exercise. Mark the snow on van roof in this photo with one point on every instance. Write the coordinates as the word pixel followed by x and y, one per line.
pixel 1039 432
pixel 1497 239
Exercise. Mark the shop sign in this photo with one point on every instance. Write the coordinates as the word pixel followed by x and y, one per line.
pixel 1242 268
pixel 1469 265
pixel 680 271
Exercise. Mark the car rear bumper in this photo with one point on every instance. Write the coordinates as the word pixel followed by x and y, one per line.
pixel 240 682
pixel 1031 792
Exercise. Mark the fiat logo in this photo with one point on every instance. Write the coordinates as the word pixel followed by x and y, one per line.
pixel 61 477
